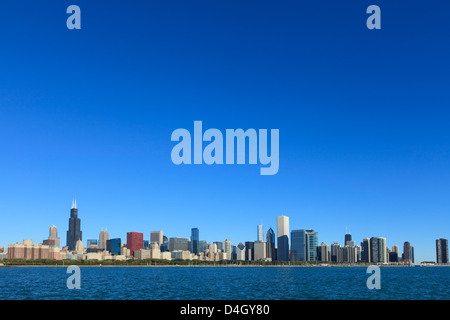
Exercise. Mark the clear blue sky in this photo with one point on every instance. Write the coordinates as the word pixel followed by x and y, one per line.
pixel 363 118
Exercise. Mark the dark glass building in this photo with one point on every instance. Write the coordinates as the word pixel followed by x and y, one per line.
pixel 442 250
pixel 312 242
pixel 74 232
pixel 365 250
pixel 304 245
pixel 283 248
pixel 298 245
pixel 270 239
pixel 165 247
pixel 114 246
pixel 393 257
pixel 195 238
pixel 348 237
pixel 249 250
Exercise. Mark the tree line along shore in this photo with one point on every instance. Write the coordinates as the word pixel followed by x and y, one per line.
pixel 190 263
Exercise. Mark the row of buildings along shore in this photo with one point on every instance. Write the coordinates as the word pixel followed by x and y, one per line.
pixel 296 245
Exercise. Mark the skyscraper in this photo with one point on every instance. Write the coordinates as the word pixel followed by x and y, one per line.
pixel 365 250
pixel 407 256
pixel 227 248
pixel 298 245
pixel 259 250
pixel 102 238
pixel 156 237
pixel 195 238
pixel 240 251
pixel 442 251
pixel 304 245
pixel 283 238
pixel 374 250
pixel 113 246
pixel 348 237
pixel 312 242
pixel 233 252
pixel 324 252
pixel 270 240
pixel 53 239
pixel 249 250
pixel 74 232
pixel 358 252
pixel 135 241
pixel 259 232
pixel 336 252
pixel 378 250
pixel 350 253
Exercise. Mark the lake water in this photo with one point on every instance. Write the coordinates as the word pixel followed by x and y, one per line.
pixel 232 283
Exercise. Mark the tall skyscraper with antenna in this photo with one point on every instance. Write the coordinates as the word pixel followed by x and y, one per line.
pixel 74 232
pixel 348 236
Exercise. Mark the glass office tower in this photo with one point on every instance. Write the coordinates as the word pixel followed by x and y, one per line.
pixel 259 232
pixel 312 242
pixel 442 251
pixel 298 245
pixel 270 239
pixel 113 246
pixel 195 238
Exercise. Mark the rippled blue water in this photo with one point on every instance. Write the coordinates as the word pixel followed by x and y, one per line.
pixel 266 283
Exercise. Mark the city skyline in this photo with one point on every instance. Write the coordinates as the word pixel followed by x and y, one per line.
pixel 307 239
pixel 362 117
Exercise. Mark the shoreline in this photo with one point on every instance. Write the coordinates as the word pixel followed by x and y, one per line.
pixel 216 266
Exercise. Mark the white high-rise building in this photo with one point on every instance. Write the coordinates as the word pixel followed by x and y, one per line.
pixel 227 248
pixel 283 238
